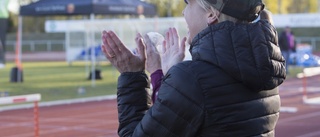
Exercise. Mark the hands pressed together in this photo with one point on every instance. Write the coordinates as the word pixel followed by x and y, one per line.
pixel 147 56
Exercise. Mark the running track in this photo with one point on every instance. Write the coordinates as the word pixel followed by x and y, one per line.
pixel 99 119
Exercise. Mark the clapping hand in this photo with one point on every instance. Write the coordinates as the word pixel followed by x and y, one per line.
pixel 120 56
pixel 153 62
pixel 172 51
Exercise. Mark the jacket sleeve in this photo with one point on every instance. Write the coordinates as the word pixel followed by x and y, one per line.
pixel 133 101
pixel 176 111
pixel 156 78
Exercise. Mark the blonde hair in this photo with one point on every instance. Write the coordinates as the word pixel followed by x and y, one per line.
pixel 221 16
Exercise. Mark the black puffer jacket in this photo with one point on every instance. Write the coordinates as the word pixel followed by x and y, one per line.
pixel 229 89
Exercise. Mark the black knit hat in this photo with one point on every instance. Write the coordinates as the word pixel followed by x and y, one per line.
pixel 247 10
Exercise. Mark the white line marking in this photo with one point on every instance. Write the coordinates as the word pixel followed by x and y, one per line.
pixel 312 134
pixel 300 117
pixel 288 109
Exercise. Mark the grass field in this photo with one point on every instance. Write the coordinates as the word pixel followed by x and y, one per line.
pixel 294 70
pixel 58 80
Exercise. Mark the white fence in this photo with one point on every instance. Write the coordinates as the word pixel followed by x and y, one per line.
pixel 37 45
pixel 59 45
pixel 88 32
pixel 313 41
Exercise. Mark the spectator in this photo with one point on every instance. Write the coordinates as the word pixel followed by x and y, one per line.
pixel 154 67
pixel 2 59
pixel 287 45
pixel 228 89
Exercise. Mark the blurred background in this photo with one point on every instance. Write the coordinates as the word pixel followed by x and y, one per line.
pixel 39 35
pixel 66 33
pixel 52 48
pixel 35 35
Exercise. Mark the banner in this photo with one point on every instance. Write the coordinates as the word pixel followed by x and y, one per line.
pixel 4 9
pixel 297 20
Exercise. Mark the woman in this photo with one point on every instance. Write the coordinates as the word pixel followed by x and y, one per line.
pixel 153 62
pixel 228 89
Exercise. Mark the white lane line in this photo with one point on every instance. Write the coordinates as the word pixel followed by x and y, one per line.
pixel 300 117
pixel 288 109
pixel 312 134
pixel 300 89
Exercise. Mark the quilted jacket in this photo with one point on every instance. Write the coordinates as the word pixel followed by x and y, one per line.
pixel 229 89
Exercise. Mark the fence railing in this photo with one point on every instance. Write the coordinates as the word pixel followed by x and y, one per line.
pixel 37 45
pixel 313 41
pixel 59 45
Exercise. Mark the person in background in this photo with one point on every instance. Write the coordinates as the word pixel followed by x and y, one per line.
pixel 287 45
pixel 229 88
pixel 2 65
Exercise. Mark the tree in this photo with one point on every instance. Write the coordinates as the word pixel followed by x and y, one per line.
pixel 302 6
pixel 271 5
pixel 292 6
pixel 168 8
pixel 174 8
pixel 25 2
pixel 180 7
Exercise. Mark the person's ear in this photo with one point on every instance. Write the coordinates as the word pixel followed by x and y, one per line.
pixel 212 18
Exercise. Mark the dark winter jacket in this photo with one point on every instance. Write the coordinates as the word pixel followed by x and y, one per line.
pixel 229 89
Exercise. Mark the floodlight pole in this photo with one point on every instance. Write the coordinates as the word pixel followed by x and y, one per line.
pixel 93 59
pixel 16 72
pixel 19 49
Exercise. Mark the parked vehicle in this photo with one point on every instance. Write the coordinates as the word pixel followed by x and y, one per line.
pixel 304 57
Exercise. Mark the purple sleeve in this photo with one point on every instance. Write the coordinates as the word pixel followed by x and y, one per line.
pixel 156 83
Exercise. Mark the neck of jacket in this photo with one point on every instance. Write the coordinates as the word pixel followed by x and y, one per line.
pixel 248 52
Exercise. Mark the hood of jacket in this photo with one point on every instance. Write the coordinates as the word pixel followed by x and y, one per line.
pixel 247 52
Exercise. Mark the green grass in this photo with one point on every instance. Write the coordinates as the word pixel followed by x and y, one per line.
pixel 58 80
pixel 294 70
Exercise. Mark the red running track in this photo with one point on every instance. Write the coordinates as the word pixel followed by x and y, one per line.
pixel 93 119
pixel 99 119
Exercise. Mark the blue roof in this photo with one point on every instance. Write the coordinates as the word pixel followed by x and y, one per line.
pixel 86 7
